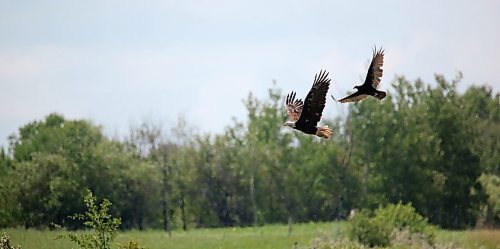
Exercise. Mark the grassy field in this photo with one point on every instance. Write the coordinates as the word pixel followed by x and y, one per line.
pixel 270 236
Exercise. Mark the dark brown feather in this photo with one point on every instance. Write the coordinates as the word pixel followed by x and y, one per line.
pixel 375 70
pixel 314 103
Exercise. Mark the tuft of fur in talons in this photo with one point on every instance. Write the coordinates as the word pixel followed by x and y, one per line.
pixel 324 132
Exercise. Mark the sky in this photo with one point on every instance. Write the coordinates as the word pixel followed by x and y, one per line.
pixel 120 62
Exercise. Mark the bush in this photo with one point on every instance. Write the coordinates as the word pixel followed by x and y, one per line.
pixel 6 243
pixel 364 228
pixel 404 217
pixel 380 228
pixel 104 227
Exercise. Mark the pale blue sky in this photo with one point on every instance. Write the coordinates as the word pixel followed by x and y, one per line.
pixel 117 62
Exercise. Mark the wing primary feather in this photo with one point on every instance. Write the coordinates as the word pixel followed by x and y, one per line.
pixel 322 76
pixel 375 70
pixel 290 97
pixel 314 102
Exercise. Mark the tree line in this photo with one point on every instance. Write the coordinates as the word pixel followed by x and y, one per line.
pixel 425 144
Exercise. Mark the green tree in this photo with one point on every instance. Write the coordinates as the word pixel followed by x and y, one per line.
pixel 418 146
pixel 55 160
pixel 9 211
pixel 424 144
pixel 491 209
pixel 482 106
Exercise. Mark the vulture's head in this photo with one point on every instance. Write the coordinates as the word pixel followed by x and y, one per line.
pixel 289 124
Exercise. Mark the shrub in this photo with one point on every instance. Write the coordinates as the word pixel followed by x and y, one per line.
pixel 104 227
pixel 380 227
pixel 6 243
pixel 404 217
pixel 369 231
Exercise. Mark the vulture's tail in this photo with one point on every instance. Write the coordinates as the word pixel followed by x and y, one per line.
pixel 324 132
pixel 380 94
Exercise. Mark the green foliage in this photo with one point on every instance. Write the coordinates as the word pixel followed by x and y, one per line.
pixel 6 242
pixel 97 218
pixel 491 209
pixel 404 217
pixel 368 230
pixel 483 106
pixel 9 211
pixel 262 237
pixel 55 160
pixel 425 144
pixel 44 184
pixel 381 227
pixel 420 145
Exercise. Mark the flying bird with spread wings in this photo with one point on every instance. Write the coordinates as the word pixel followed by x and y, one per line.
pixel 372 80
pixel 306 114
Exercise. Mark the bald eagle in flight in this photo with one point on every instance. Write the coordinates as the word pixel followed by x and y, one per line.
pixel 372 80
pixel 306 114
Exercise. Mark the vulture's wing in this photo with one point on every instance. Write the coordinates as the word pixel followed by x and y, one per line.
pixel 316 98
pixel 357 96
pixel 293 106
pixel 375 71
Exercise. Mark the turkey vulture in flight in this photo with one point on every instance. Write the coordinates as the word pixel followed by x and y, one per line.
pixel 306 115
pixel 371 82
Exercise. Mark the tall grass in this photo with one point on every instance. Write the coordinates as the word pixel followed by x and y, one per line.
pixel 269 236
pixel 483 238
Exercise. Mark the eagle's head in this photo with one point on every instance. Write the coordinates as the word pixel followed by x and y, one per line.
pixel 289 124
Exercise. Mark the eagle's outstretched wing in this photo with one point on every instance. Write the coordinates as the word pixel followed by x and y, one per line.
pixel 375 70
pixel 293 106
pixel 357 96
pixel 315 101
